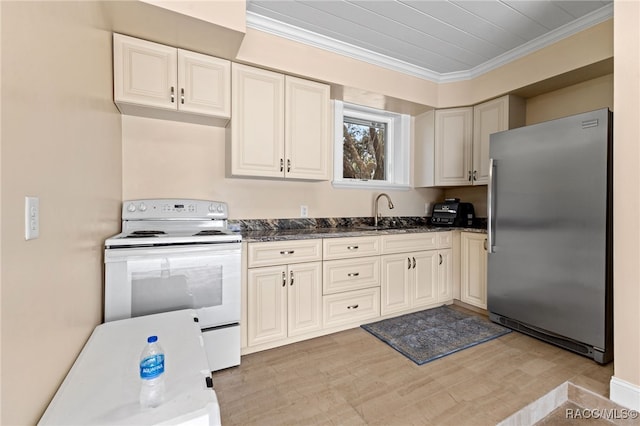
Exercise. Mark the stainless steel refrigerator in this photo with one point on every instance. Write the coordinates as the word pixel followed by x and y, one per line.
pixel 550 232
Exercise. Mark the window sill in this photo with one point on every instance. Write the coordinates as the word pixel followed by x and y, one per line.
pixel 364 184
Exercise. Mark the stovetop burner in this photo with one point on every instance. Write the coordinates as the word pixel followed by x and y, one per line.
pixel 143 234
pixel 209 232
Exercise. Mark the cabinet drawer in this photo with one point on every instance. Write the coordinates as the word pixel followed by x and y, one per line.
pixel 402 243
pixel 444 239
pixel 351 307
pixel 283 252
pixel 350 274
pixel 341 248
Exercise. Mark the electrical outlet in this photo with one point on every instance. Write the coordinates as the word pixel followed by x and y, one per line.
pixel 304 211
pixel 31 218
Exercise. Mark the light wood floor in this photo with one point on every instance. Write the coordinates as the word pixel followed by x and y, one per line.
pixel 352 378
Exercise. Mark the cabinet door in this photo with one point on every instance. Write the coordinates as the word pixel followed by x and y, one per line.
pixel 305 298
pixel 266 304
pixel 396 280
pixel 445 275
pixel 144 72
pixel 489 117
pixel 307 129
pixel 257 122
pixel 204 84
pixel 425 278
pixel 473 265
pixel 453 138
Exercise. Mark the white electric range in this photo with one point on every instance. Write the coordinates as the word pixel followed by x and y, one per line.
pixel 175 254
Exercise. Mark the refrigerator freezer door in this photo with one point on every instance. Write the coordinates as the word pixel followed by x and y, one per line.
pixel 548 266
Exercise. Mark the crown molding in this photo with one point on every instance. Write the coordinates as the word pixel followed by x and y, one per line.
pixel 281 29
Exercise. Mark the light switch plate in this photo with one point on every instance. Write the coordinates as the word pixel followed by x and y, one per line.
pixel 31 218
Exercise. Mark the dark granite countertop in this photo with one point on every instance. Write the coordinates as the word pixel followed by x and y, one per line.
pixel 251 231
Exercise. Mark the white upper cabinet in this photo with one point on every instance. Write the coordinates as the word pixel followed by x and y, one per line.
pixel 158 81
pixel 452 145
pixel 257 122
pixel 307 127
pixel 204 84
pixel 453 139
pixel 279 127
pixel 500 114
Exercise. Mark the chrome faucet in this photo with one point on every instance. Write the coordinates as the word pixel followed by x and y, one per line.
pixel 375 207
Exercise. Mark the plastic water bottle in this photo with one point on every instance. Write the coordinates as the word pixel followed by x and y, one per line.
pixel 152 374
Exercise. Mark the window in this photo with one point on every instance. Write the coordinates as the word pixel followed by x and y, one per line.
pixel 371 148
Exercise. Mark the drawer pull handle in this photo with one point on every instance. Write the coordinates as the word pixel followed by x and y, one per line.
pixel 353 274
pixel 352 248
pixel 352 306
pixel 284 253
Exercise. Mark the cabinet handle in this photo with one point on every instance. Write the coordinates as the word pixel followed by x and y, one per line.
pixel 352 306
pixel 291 278
pixel 352 248
pixel 284 279
pixel 469 175
pixel 173 97
pixel 182 96
pixel 353 274
pixel 281 165
pixel 414 262
pixel 475 175
pixel 408 263
pixel 284 253
pixel 288 165
pixel 484 244
pixel 440 259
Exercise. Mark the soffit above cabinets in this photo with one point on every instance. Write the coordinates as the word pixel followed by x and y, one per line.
pixel 437 40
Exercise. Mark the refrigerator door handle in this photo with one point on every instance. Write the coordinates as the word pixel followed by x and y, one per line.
pixel 490 206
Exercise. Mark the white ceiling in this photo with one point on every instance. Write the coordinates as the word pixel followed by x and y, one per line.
pixel 433 39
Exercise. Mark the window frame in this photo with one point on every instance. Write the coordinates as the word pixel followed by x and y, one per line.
pixel 398 145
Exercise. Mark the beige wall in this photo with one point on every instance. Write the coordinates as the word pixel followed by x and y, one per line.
pixel 627 194
pixel 169 159
pixel 587 96
pixel 61 143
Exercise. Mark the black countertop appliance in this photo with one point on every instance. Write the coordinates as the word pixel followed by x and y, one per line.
pixel 452 213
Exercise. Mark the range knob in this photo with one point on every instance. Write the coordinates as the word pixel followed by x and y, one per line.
pixel 212 208
pixel 142 207
pixel 220 208
pixel 131 208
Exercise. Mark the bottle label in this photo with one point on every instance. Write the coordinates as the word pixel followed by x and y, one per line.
pixel 152 366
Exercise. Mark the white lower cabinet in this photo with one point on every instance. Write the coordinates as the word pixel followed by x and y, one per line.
pixel 351 307
pixel 473 269
pixel 351 281
pixel 415 279
pixel 284 290
pixel 283 301
pixel 301 289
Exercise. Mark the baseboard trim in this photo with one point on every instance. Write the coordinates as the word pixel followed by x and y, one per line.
pixel 624 393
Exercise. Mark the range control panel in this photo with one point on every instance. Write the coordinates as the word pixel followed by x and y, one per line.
pixel 173 209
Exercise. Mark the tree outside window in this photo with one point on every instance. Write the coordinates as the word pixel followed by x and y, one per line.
pixel 364 149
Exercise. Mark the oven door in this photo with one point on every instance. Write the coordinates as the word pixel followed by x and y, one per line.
pixel 147 280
